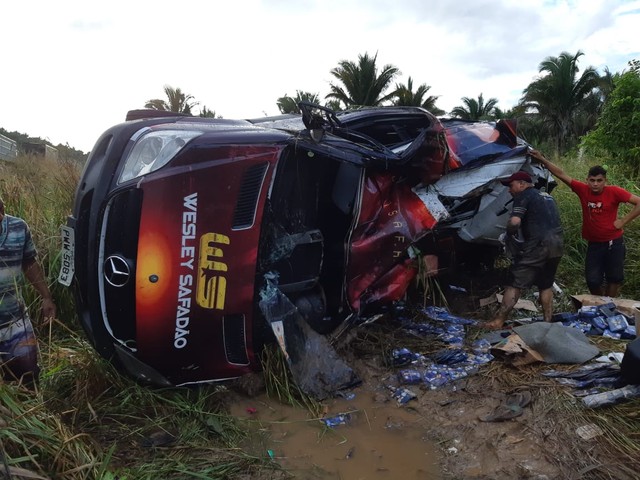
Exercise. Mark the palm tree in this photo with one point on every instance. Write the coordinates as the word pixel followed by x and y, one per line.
pixel 334 105
pixel 361 83
pixel 557 95
pixel 289 104
pixel 176 101
pixel 475 109
pixel 605 84
pixel 405 96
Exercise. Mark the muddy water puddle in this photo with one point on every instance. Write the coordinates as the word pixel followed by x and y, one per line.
pixel 377 440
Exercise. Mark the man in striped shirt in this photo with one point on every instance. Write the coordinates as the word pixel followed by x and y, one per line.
pixel 18 256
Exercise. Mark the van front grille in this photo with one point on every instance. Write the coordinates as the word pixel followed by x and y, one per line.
pixel 245 211
pixel 235 342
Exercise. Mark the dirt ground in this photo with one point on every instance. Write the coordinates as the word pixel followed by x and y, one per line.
pixel 546 441
pixel 526 446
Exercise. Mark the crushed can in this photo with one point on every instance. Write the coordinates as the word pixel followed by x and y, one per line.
pixel 340 419
pixel 402 395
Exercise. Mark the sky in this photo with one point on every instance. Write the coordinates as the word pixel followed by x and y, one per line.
pixel 71 69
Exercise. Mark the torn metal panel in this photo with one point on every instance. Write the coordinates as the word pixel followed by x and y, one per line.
pixel 315 365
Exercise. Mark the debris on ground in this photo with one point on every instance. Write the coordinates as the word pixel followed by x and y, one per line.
pixel 512 407
pixel 589 431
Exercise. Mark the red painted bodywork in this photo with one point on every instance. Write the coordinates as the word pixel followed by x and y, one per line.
pixel 392 217
pixel 169 247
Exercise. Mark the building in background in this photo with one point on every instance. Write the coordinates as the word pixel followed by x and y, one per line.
pixel 8 148
pixel 40 150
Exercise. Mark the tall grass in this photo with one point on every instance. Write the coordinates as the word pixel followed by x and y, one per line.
pixel 279 381
pixel 41 192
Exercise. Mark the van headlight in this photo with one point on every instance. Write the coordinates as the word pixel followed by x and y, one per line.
pixel 153 150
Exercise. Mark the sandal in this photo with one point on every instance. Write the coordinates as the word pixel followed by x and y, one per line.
pixel 520 399
pixel 502 412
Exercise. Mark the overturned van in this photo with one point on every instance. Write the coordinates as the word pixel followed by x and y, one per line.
pixel 183 225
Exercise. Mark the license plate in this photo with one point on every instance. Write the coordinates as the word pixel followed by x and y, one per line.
pixel 67 268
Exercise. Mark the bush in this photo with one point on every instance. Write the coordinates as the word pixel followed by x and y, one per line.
pixel 617 130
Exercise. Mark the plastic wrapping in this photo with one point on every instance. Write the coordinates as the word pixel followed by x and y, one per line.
pixel 611 397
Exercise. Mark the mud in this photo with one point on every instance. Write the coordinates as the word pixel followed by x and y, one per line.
pixel 437 435
pixel 377 440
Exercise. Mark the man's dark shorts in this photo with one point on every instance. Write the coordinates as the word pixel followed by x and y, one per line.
pixel 605 263
pixel 537 266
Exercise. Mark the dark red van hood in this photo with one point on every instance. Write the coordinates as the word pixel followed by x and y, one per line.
pixel 196 266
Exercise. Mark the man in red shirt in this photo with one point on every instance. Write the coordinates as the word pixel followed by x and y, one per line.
pixel 601 227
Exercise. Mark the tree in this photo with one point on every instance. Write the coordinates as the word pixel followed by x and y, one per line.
pixel 361 85
pixel 289 104
pixel 619 124
pixel 177 101
pixel 405 96
pixel 475 109
pixel 205 112
pixel 557 95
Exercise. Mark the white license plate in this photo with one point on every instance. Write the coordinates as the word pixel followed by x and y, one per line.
pixel 67 268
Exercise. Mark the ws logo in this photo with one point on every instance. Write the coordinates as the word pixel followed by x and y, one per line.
pixel 212 285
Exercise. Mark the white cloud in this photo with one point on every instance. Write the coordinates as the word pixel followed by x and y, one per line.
pixel 77 67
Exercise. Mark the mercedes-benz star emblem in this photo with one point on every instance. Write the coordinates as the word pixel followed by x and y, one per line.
pixel 116 271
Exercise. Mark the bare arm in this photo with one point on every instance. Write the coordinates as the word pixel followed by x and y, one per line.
pixel 621 222
pixel 554 169
pixel 513 224
pixel 34 273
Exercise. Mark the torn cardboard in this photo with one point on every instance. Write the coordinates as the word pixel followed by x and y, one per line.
pixel 483 302
pixel 515 351
pixel 521 304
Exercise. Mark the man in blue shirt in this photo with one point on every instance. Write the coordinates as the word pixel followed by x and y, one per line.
pixel 535 260
pixel 18 256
